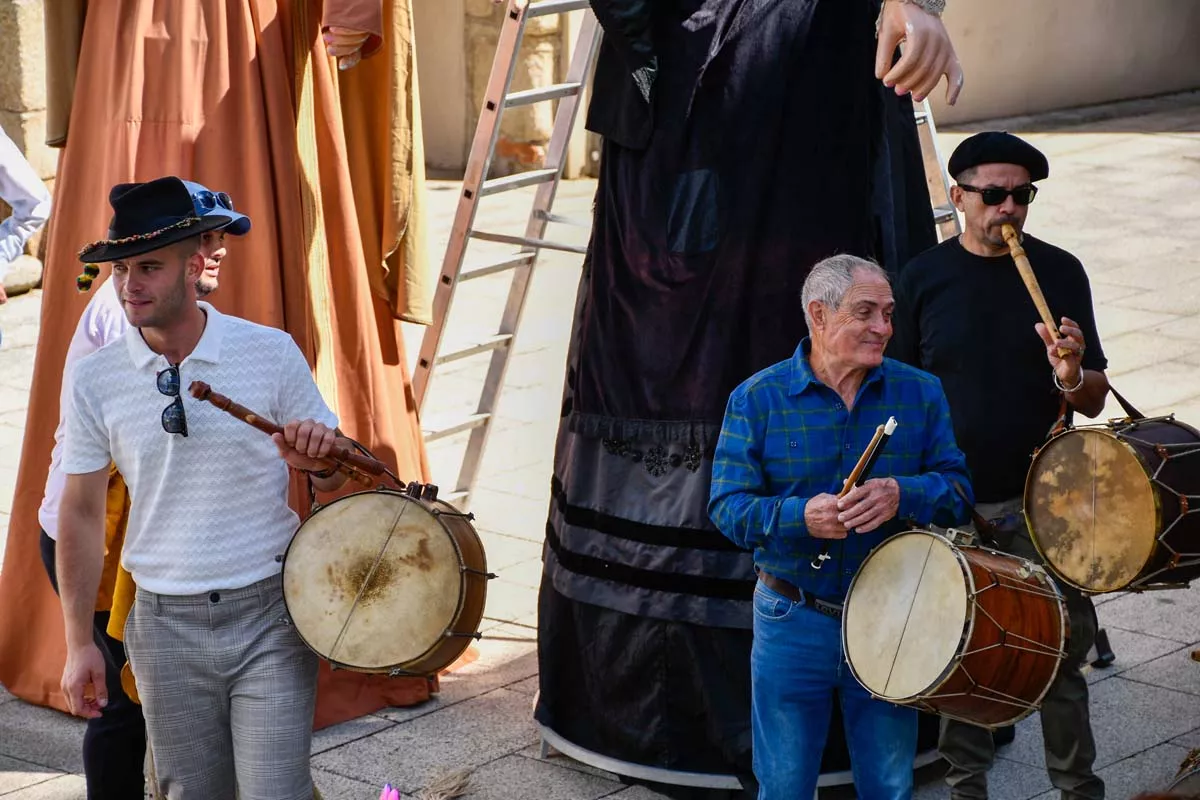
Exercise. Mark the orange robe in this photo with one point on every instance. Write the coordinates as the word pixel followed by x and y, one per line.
pixel 240 96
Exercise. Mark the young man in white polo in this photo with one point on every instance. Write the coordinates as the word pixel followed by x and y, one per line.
pixel 227 686
pixel 114 744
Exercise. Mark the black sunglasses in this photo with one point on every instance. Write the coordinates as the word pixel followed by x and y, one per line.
pixel 210 200
pixel 994 195
pixel 173 418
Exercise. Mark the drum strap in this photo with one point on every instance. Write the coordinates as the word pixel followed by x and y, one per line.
pixel 1064 410
pixel 985 529
pixel 1125 404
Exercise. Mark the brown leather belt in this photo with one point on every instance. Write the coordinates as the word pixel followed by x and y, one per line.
pixel 794 594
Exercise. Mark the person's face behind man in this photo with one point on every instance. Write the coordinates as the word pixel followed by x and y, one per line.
pixel 983 222
pixel 156 288
pixel 855 333
pixel 212 247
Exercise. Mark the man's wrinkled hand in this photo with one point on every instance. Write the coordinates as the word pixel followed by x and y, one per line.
pixel 866 507
pixel 821 518
pixel 928 52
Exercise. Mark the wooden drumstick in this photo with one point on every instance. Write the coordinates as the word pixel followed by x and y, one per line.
pixel 1031 284
pixel 339 456
pixel 859 474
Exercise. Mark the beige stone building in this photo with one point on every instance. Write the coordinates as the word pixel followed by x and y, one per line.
pixel 1020 57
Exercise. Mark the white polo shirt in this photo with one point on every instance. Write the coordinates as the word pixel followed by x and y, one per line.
pixel 208 511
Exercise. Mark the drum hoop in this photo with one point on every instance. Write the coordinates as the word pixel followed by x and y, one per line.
pixel 1109 430
pixel 968 621
pixel 462 584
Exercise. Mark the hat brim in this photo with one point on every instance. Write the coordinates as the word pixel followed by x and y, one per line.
pixel 119 252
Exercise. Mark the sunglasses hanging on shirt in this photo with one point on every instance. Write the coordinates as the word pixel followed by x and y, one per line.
pixel 174 421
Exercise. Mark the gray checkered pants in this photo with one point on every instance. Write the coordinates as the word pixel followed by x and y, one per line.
pixel 228 690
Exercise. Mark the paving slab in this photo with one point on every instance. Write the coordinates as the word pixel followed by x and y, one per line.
pixel 41 736
pixel 1149 770
pixel 62 787
pixel 1173 615
pixel 1175 670
pixel 17 774
pixel 1127 718
pixel 517 776
pixel 464 736
pixel 1132 650
pixel 506 656
pixel 1007 779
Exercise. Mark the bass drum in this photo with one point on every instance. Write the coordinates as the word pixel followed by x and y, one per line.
pixel 965 632
pixel 1108 505
pixel 382 582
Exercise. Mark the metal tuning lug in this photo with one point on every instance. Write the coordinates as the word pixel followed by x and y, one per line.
pixel 413 490
pixel 960 537
pixel 429 492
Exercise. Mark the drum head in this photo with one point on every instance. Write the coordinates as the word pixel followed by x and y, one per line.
pixel 1092 510
pixel 904 616
pixel 372 580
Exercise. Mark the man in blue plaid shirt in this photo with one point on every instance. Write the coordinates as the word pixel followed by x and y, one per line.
pixel 792 434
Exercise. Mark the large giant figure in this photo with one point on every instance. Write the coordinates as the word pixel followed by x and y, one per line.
pixel 744 140
pixel 243 95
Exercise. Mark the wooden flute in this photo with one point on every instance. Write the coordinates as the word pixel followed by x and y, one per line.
pixel 1031 285
pixel 343 458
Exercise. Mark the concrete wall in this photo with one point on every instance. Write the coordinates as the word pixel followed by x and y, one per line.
pixel 1026 56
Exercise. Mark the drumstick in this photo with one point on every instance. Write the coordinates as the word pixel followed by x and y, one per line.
pixel 339 456
pixel 1031 284
pixel 859 474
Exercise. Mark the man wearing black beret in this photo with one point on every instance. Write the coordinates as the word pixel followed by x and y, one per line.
pixel 963 314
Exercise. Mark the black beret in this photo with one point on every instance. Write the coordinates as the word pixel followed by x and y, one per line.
pixel 998 147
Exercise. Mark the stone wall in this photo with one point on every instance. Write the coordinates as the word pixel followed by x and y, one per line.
pixel 525 131
pixel 23 108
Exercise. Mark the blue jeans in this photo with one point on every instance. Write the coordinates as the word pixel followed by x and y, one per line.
pixel 796 663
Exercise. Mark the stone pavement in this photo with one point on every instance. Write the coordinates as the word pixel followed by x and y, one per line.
pixel 1124 196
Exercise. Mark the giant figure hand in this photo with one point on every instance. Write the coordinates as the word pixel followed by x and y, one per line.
pixel 928 53
pixel 345 45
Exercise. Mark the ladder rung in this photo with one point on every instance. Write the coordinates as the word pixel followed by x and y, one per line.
pixel 943 214
pixel 469 423
pixel 500 265
pixel 527 96
pixel 521 179
pixel 491 343
pixel 542 244
pixel 578 223
pixel 554 7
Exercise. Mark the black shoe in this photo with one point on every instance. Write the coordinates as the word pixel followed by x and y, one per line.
pixel 1104 654
pixel 1005 735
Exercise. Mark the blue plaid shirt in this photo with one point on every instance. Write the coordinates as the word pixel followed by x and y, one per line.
pixel 788 437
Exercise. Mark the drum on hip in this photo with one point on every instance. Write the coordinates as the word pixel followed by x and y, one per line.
pixel 1113 507
pixel 961 631
pixel 383 582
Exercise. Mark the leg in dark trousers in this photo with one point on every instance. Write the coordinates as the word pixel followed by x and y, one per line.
pixel 114 745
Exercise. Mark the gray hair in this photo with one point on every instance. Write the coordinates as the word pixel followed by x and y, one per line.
pixel 831 278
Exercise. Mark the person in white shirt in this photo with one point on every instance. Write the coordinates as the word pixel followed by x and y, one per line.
pixel 114 745
pixel 24 191
pixel 228 688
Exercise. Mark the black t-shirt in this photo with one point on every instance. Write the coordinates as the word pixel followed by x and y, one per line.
pixel 969 320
